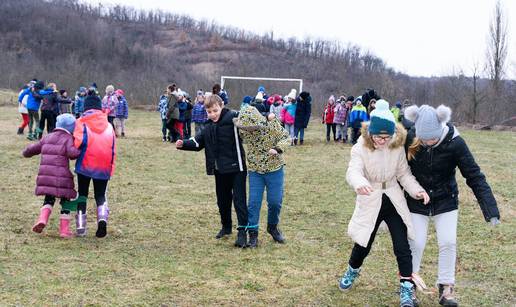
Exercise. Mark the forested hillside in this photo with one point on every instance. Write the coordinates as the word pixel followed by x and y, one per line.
pixel 75 44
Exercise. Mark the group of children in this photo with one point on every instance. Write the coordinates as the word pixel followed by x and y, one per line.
pixel 221 138
pixel 402 179
pixel 39 105
pixel 91 140
pixel 424 165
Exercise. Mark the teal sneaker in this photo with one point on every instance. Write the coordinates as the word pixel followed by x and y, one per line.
pixel 348 278
pixel 406 294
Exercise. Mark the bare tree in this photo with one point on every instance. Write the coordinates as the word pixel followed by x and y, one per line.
pixel 497 47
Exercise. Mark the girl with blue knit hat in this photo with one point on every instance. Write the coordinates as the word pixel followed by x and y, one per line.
pixel 376 166
pixel 435 149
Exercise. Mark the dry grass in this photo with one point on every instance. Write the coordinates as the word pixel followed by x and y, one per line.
pixel 160 248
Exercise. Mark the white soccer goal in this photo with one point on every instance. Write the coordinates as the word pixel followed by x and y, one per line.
pixel 241 86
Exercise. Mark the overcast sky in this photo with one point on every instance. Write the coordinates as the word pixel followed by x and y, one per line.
pixel 417 37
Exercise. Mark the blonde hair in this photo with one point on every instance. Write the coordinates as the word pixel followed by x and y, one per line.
pixel 413 149
pixel 211 100
pixel 110 89
pixel 53 85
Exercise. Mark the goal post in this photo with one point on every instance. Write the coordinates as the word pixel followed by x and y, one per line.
pixel 242 86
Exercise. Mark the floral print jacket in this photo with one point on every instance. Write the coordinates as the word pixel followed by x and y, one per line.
pixel 260 136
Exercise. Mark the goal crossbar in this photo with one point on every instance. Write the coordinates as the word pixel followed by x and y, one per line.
pixel 223 78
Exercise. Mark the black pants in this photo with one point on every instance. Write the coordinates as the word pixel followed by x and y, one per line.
pixel 99 189
pixel 333 128
pixel 51 200
pixel 355 135
pixel 111 120
pixel 50 118
pixel 231 188
pixel 187 129
pixel 398 232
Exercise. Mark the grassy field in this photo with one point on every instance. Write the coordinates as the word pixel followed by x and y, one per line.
pixel 160 249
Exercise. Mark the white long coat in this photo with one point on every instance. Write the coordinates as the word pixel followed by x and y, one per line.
pixel 380 169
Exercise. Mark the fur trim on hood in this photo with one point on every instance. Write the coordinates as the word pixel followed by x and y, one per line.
pixel 398 139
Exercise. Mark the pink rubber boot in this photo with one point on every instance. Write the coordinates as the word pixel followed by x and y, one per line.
pixel 64 226
pixel 44 214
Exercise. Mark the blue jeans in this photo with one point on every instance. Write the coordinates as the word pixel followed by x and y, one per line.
pixel 300 131
pixel 257 183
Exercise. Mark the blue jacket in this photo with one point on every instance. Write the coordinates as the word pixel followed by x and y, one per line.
pixel 78 106
pixel 121 108
pixel 33 102
pixel 357 116
pixel 182 106
pixel 163 106
pixel 224 96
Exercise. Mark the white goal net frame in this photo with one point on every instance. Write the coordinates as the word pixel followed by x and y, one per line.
pixel 224 78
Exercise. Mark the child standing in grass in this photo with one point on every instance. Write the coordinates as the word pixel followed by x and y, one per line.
pixel 225 158
pixel 199 115
pixel 266 141
pixel 121 113
pixel 435 149
pixel 54 176
pixel 377 164
pixel 95 138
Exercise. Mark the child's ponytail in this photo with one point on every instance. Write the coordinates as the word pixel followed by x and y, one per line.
pixel 413 149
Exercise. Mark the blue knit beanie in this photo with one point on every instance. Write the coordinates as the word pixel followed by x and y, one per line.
pixel 382 120
pixel 66 121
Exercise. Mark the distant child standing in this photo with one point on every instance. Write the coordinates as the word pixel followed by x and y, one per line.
pixel 341 119
pixel 327 118
pixel 22 109
pixel 225 158
pixel 54 176
pixel 376 166
pixel 95 138
pixel 356 117
pixel 199 115
pixel 109 103
pixel 288 115
pixel 163 111
pixel 121 113
pixel 78 105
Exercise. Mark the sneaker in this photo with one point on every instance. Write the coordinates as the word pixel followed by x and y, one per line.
pixel 406 294
pixel 446 296
pixel 276 234
pixel 241 240
pixel 348 278
pixel 164 139
pixel 223 232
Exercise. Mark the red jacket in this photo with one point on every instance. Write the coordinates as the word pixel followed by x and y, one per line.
pixel 54 176
pixel 95 138
pixel 329 113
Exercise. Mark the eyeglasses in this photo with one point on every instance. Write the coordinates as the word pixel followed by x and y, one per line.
pixel 383 138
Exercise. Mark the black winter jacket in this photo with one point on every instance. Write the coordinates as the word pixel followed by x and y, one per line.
pixel 303 111
pixel 221 144
pixel 434 169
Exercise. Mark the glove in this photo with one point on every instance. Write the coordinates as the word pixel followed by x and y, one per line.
pixel 494 221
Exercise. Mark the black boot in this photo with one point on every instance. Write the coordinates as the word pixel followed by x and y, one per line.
pixel 253 238
pixel 276 234
pixel 446 296
pixel 20 131
pixel 301 142
pixel 223 232
pixel 241 240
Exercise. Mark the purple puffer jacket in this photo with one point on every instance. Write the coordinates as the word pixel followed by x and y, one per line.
pixel 54 176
